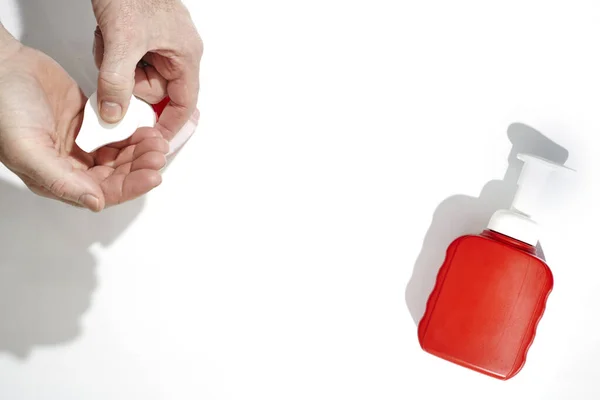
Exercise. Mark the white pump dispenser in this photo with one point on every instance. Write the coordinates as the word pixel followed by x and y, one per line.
pixel 518 222
pixel 95 133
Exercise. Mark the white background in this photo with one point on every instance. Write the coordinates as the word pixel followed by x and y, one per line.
pixel 275 261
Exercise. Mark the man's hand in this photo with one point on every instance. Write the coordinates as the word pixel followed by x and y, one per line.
pixel 41 110
pixel 149 48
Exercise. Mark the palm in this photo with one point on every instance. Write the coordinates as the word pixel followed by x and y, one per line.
pixel 42 110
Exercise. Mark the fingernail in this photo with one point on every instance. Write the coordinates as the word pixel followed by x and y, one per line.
pixel 90 202
pixel 111 112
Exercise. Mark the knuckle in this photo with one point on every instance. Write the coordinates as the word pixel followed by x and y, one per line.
pixel 126 34
pixel 121 39
pixel 58 187
pixel 116 46
pixel 154 97
pixel 113 83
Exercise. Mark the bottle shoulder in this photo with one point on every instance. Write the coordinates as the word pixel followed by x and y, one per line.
pixel 502 247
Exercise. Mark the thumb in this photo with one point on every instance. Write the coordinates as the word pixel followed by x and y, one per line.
pixel 60 180
pixel 116 79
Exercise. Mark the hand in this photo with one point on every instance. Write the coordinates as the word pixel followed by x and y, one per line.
pixel 41 110
pixel 149 48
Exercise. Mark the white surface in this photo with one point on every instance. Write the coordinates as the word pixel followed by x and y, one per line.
pixel 276 260
pixel 96 133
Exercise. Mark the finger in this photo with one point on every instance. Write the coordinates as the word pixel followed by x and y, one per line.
pixel 178 110
pixel 108 154
pixel 98 51
pixel 150 86
pixel 45 193
pixel 158 145
pixel 152 160
pixel 132 153
pixel 113 158
pixel 182 88
pixel 119 188
pixel 40 191
pixel 139 135
pixel 122 50
pixel 184 134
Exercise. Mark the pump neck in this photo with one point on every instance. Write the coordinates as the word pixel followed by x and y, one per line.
pixel 515 225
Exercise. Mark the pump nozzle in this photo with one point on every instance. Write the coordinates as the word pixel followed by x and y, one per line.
pixel 518 222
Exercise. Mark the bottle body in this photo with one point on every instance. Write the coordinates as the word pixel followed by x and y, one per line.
pixel 489 296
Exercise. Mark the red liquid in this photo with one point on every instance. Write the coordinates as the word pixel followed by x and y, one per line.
pixel 160 107
pixel 489 296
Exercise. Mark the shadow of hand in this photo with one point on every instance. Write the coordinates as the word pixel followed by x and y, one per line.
pixel 47 272
pixel 64 30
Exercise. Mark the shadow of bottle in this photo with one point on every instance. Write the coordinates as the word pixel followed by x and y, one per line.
pixel 47 270
pixel 460 214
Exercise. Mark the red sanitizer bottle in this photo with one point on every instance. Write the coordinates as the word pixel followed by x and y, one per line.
pixel 492 289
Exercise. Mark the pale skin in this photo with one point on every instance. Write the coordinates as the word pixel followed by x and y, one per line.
pixel 41 106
